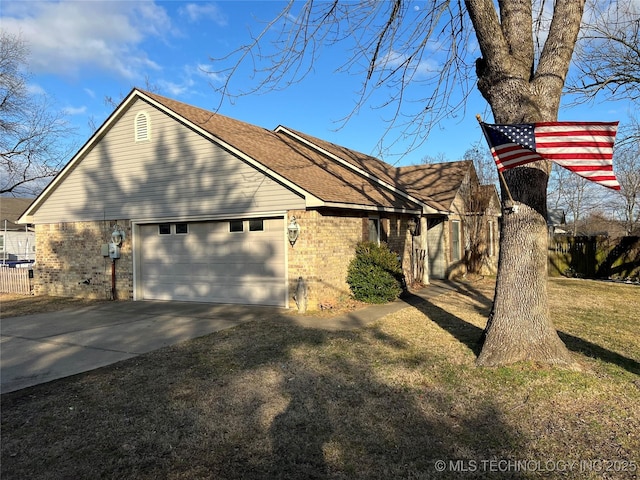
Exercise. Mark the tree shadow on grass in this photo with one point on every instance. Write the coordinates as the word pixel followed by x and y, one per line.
pixel 471 335
pixel 266 400
pixel 463 331
pixel 589 349
pixel 470 291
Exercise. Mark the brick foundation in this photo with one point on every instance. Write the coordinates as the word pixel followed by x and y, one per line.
pixel 327 244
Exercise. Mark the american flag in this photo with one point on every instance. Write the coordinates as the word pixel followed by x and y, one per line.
pixel 585 148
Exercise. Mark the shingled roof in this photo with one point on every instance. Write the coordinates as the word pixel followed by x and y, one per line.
pixel 306 167
pixel 10 210
pixel 440 181
pixel 325 173
pixel 331 172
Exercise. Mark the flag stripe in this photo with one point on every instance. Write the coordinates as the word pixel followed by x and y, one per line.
pixel 516 158
pixel 569 125
pixel 579 145
pixel 575 133
pixel 581 164
pixel 575 156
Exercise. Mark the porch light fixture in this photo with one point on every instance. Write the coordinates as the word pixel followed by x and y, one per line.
pixel 293 231
pixel 118 235
pixel 412 225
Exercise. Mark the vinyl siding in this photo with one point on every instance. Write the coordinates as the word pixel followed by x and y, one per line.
pixel 17 245
pixel 176 173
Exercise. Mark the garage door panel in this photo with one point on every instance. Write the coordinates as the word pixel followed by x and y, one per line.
pixel 222 292
pixel 210 263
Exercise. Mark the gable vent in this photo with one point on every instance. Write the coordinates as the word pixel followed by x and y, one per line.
pixel 142 127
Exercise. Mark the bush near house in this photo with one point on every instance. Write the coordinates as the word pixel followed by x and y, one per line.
pixel 375 274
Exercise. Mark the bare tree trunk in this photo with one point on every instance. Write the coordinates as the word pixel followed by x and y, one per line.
pixel 520 327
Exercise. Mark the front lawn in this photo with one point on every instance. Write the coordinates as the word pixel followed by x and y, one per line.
pixel 401 399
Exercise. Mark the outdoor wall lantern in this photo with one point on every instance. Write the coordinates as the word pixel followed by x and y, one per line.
pixel 293 231
pixel 412 225
pixel 118 235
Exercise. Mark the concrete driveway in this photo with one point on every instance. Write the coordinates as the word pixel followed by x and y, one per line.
pixel 42 347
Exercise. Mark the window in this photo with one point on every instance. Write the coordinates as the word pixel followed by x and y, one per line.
pixel 1 243
pixel 236 226
pixel 455 241
pixel 374 230
pixel 256 225
pixel 181 229
pixel 164 229
pixel 142 127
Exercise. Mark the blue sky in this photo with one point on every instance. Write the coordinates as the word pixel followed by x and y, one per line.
pixel 84 51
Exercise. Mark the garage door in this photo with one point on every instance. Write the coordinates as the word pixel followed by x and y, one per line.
pixel 237 261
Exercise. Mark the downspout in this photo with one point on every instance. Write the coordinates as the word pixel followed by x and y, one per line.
pixel 113 279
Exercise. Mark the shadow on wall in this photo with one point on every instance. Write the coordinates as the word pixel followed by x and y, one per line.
pixel 161 178
pixel 70 261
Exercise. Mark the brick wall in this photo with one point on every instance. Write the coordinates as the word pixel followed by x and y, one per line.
pixel 69 262
pixel 325 247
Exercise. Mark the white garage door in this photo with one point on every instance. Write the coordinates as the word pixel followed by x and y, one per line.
pixel 237 261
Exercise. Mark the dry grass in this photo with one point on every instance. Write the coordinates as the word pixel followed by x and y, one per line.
pixel 271 400
pixel 13 305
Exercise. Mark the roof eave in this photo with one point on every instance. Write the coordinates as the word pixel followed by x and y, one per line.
pixel 27 216
pixel 372 208
pixel 360 171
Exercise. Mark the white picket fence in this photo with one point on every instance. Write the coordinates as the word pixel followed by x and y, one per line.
pixel 15 280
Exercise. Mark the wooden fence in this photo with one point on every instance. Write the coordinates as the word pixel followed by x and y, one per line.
pixel 594 257
pixel 15 280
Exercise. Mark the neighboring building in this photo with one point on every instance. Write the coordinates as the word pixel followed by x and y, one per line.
pixel 556 221
pixel 17 242
pixel 205 203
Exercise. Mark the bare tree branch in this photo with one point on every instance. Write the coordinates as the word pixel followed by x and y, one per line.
pixel 405 53
pixel 416 63
pixel 607 59
pixel 32 133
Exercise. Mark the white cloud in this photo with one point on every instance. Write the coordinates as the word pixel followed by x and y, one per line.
pixel 68 37
pixel 205 71
pixel 175 89
pixel 35 89
pixel 75 110
pixel 197 11
pixel 189 81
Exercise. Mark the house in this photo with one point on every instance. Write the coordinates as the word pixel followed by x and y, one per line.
pixel 556 221
pixel 204 203
pixel 17 242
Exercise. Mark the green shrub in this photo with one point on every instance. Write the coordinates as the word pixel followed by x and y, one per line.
pixel 374 274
